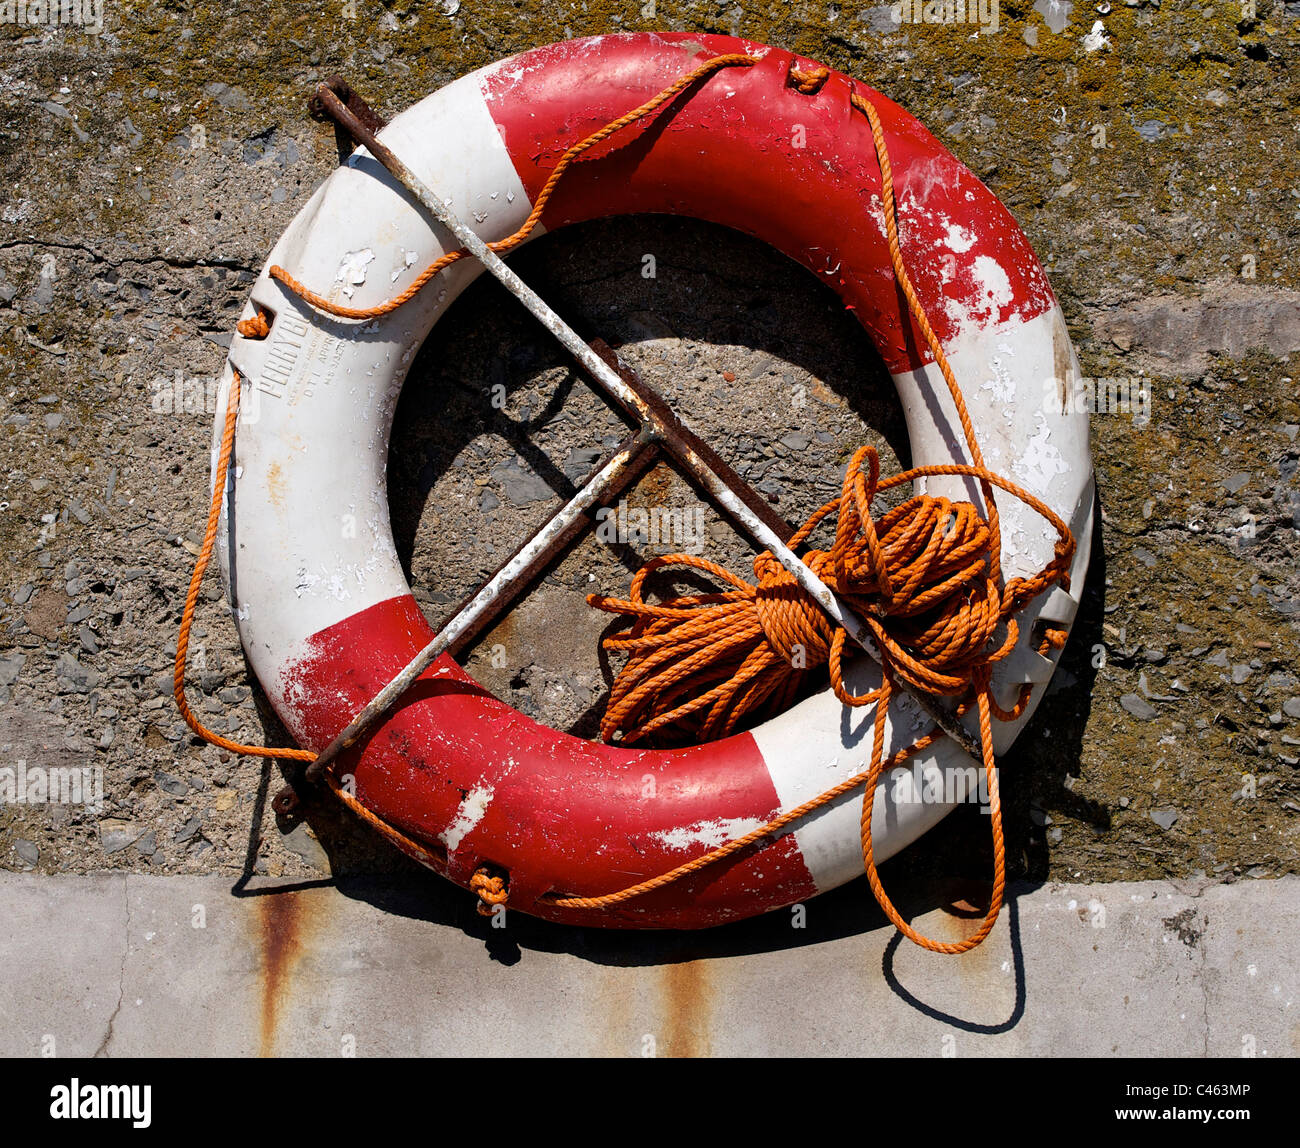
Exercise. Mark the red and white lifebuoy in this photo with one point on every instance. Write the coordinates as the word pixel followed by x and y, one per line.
pixel 326 616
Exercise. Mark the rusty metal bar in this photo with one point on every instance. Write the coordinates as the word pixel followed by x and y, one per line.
pixel 365 114
pixel 678 437
pixel 612 384
pixel 543 542
pixel 677 434
pixel 641 459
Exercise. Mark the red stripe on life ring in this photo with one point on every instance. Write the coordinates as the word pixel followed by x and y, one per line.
pixel 562 814
pixel 728 151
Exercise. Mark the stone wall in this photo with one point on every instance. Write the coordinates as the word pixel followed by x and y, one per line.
pixel 1148 149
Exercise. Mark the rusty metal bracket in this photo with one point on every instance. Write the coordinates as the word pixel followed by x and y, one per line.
pixel 474 614
pixel 658 425
pixel 319 110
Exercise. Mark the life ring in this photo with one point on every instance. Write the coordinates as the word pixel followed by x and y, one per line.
pixel 307 553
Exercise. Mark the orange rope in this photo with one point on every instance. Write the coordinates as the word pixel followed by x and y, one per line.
pixel 491 888
pixel 926 578
pixel 922 578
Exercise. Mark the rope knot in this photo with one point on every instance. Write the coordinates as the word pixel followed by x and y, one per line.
pixel 492 889
pixel 256 327
pixel 1063 557
pixel 808 82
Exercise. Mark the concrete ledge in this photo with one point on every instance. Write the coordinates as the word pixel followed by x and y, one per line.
pixel 178 966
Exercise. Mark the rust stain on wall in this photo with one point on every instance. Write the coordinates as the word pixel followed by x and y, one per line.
pixel 687 1009
pixel 612 1017
pixel 967 905
pixel 281 926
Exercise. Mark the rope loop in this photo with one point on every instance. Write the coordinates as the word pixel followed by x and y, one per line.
pixel 808 82
pixel 257 326
pixel 491 888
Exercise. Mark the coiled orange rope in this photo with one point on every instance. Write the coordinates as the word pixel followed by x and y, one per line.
pixel 923 578
pixel 926 577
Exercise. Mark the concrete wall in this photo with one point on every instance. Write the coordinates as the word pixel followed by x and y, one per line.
pixel 148 168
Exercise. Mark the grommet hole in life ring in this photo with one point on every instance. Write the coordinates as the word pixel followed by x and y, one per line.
pixel 496 427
